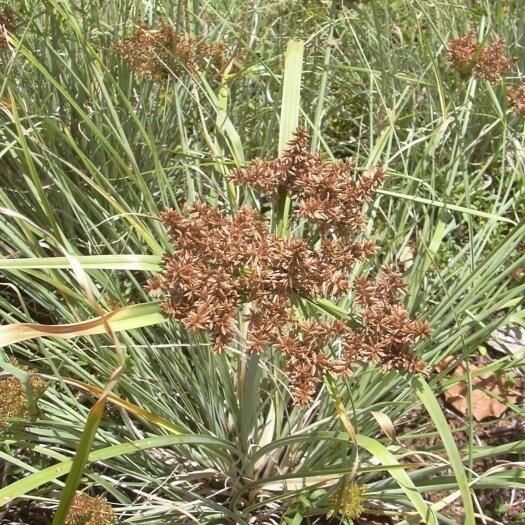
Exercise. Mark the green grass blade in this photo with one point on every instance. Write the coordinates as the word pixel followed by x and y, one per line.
pixel 380 452
pixel 79 462
pixel 290 105
pixel 446 206
pixel 146 263
pixel 430 402
pixel 289 121
pixel 127 318
pixel 24 486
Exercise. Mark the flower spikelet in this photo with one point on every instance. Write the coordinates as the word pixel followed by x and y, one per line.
pixel 13 398
pixel 493 62
pixel 221 262
pixel 469 57
pixel 348 502
pixel 516 99
pixel 304 346
pixel 329 194
pixel 87 510
pixel 463 52
pixel 388 332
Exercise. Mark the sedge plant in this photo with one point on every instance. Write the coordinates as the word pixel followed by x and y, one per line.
pixel 248 435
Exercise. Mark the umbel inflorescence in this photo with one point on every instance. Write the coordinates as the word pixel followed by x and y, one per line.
pixel 470 57
pixel 160 53
pixel 87 510
pixel 230 266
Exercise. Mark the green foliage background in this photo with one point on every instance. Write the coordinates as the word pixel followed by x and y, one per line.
pixel 89 156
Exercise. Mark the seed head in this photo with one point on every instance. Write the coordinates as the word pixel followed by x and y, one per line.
pixel 516 99
pixel 493 62
pixel 463 52
pixel 159 53
pixel 7 24
pixel 224 267
pixel 349 502
pixel 469 57
pixel 13 398
pixel 86 510
pixel 328 194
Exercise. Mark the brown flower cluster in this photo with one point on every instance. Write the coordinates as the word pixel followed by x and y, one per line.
pixel 13 398
pixel 463 52
pixel 469 57
pixel 7 24
pixel 86 510
pixel 227 267
pixel 516 99
pixel 159 53
pixel 329 194
pixel 493 62
pixel 222 262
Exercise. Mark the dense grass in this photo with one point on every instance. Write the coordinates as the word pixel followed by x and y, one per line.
pixel 91 154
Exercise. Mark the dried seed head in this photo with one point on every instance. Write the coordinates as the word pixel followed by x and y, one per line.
pixel 7 18
pixel 493 63
pixel 13 398
pixel 226 266
pixel 159 53
pixel 7 24
pixel 463 52
pixel 329 194
pixel 469 57
pixel 516 99
pixel 86 510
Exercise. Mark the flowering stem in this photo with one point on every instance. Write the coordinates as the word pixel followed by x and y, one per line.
pixel 282 213
pixel 289 121
pixel 248 400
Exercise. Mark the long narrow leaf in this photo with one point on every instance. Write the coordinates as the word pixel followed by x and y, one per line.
pixel 380 452
pixel 33 481
pixel 127 318
pixel 146 263
pixel 429 400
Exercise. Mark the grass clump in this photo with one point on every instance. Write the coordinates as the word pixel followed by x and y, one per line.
pixel 155 169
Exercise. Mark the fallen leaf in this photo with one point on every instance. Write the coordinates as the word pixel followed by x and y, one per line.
pixel 486 387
